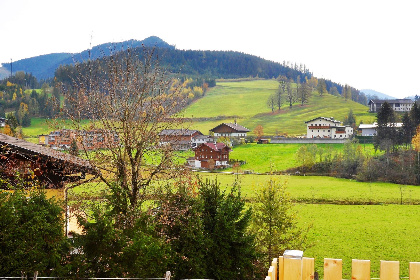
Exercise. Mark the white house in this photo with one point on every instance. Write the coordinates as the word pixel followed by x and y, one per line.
pixel 322 127
pixel 200 139
pixel 370 128
pixel 230 130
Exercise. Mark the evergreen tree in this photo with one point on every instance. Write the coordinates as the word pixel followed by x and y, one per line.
pixel 407 129
pixel 386 132
pixel 350 119
pixel 74 150
pixel 230 248
pixel 31 235
pixel 415 115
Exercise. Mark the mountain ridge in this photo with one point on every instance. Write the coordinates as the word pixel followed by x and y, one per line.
pixel 44 66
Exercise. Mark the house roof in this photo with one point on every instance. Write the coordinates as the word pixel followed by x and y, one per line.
pixel 391 101
pixel 215 147
pixel 324 118
pixel 178 132
pixel 234 126
pixel 203 137
pixel 375 125
pixel 12 144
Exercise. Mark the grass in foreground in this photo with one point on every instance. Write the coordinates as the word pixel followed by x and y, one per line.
pixel 365 232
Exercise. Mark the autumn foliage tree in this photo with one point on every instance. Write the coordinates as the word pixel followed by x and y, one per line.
pixel 259 131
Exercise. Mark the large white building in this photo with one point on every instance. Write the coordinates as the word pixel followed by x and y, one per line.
pixel 398 105
pixel 322 127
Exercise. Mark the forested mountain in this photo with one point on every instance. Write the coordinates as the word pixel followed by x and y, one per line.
pixel 44 66
pixel 210 65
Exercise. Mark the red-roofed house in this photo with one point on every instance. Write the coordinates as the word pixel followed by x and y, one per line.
pixel 210 155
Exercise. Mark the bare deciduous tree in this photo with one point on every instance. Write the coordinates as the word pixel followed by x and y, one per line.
pixel 128 99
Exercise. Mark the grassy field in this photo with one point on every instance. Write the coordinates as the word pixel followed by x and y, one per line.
pixel 262 158
pixel 367 232
pixel 320 189
pixel 386 231
pixel 247 101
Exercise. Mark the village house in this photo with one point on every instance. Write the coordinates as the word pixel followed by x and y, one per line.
pixel 210 155
pixel 180 139
pixel 231 130
pixel 322 127
pixel 370 129
pixel 200 139
pixel 398 105
pixel 85 139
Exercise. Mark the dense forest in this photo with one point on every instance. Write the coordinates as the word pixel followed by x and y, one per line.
pixel 211 65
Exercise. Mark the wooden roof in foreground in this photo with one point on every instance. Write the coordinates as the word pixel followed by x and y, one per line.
pixel 69 163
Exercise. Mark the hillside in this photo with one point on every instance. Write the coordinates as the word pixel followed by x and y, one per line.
pixel 247 101
pixel 44 66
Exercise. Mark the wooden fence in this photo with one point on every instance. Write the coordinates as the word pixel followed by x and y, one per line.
pixel 303 269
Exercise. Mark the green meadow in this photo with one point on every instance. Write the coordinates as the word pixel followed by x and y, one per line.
pixel 366 232
pixel 247 101
pixel 341 227
pixel 263 158
pixel 323 189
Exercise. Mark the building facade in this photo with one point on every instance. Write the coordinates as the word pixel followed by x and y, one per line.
pixel 322 127
pixel 230 130
pixel 370 129
pixel 210 155
pixel 398 105
pixel 180 139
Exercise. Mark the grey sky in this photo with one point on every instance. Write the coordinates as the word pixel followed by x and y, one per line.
pixel 366 44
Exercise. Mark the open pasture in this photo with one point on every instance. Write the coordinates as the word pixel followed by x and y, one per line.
pixel 322 189
pixel 247 101
pixel 262 158
pixel 343 230
pixel 365 232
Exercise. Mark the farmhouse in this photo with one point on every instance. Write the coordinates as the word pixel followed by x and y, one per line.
pixel 232 130
pixel 322 127
pixel 180 139
pixel 398 105
pixel 210 155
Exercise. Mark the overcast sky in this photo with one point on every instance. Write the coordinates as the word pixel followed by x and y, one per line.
pixel 366 44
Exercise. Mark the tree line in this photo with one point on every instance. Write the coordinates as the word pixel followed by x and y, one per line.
pixel 397 136
pixel 292 91
pixel 18 104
